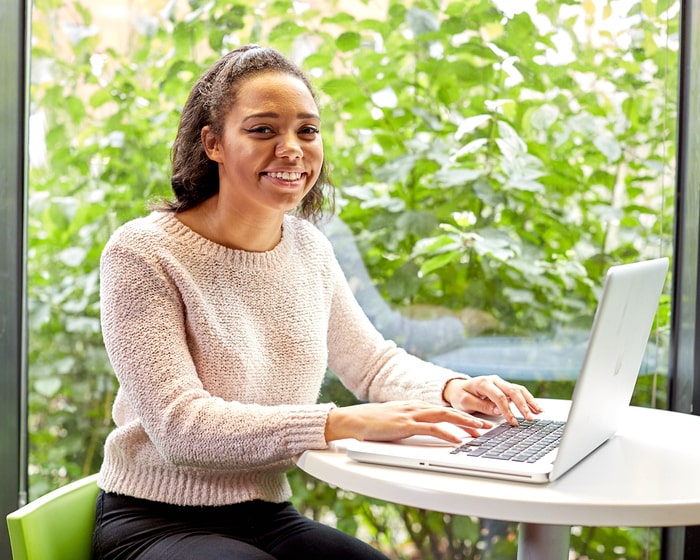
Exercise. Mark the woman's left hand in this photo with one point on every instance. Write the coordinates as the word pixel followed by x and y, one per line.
pixel 492 395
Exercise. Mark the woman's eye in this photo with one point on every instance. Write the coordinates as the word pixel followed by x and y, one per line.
pixel 264 130
pixel 260 130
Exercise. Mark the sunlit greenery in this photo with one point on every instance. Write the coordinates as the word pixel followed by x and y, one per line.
pixel 486 160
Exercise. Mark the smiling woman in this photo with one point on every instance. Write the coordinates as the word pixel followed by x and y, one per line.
pixel 208 121
pixel 269 156
pixel 221 313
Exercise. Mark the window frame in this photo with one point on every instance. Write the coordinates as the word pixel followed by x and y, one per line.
pixel 684 351
pixel 14 62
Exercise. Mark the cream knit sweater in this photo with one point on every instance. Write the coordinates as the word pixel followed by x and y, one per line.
pixel 220 355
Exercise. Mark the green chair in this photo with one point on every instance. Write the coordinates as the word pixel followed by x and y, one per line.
pixel 57 526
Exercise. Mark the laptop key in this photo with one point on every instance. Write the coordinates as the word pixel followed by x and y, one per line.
pixel 526 442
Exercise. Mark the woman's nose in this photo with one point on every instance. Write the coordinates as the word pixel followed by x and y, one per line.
pixel 289 147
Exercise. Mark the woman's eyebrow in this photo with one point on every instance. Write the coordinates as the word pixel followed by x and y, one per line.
pixel 273 115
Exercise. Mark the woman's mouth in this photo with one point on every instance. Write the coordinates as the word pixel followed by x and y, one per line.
pixel 290 176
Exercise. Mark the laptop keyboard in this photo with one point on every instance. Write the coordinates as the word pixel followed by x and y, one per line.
pixel 527 442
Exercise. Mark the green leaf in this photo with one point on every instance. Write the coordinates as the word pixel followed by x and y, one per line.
pixel 496 245
pixel 47 387
pixel 608 146
pixel 416 222
pixel 404 282
pixel 439 261
pixel 397 169
pixel 284 33
pixel 468 125
pixel 100 97
pixel 448 178
pixel 421 21
pixel 340 18
pixel 348 41
pixel 72 256
pixel 545 116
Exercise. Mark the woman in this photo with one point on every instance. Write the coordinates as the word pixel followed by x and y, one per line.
pixel 220 314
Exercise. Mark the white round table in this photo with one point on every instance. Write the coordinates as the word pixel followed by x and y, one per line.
pixel 647 475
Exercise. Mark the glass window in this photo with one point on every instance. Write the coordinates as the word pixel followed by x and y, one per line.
pixel 491 159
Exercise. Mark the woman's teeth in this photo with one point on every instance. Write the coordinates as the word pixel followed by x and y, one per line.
pixel 286 176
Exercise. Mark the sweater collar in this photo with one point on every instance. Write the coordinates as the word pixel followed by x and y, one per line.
pixel 183 235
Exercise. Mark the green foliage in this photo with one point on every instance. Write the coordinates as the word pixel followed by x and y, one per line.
pixel 480 163
pixel 479 174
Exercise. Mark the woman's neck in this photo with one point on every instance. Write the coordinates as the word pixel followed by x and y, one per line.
pixel 232 229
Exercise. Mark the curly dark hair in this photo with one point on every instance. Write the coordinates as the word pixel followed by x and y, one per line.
pixel 195 178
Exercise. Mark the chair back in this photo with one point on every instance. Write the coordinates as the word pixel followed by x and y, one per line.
pixel 57 526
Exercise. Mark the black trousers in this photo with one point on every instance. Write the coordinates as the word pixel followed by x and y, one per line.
pixel 130 528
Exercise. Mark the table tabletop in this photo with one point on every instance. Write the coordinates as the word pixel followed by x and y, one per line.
pixel 647 475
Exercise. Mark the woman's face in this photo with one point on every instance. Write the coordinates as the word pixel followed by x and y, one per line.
pixel 270 152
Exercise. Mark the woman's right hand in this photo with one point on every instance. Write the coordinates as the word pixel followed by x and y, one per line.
pixel 399 419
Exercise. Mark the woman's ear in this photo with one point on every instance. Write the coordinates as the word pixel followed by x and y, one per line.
pixel 211 144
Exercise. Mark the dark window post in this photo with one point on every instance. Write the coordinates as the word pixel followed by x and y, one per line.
pixel 14 32
pixel 684 388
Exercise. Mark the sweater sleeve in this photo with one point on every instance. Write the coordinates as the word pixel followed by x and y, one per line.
pixel 373 368
pixel 145 334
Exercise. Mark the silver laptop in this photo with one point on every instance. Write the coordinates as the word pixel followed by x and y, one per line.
pixel 603 391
